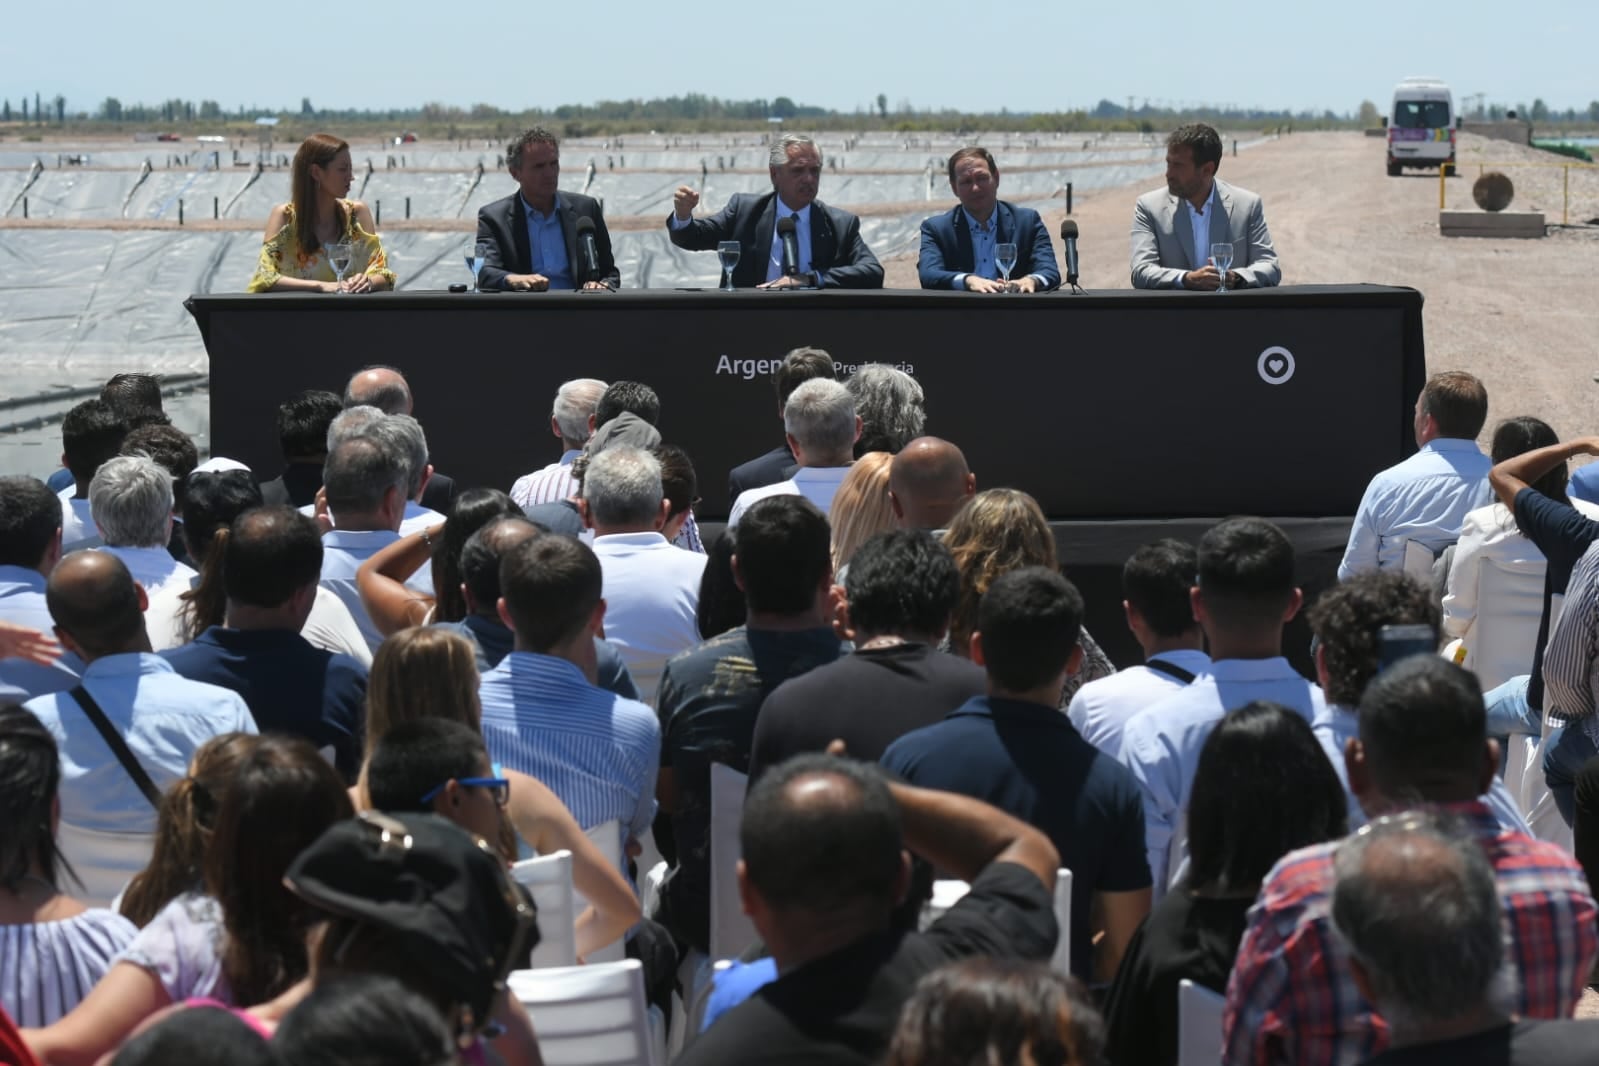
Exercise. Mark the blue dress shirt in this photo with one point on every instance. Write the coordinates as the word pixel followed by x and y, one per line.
pixel 547 244
pixel 343 552
pixel 163 718
pixel 1424 499
pixel 802 234
pixel 22 603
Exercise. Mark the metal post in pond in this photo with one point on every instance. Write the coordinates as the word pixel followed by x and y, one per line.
pixel 180 212
pixel 1068 197
pixel 1235 149
pixel 216 209
pixel 407 207
pixel 377 212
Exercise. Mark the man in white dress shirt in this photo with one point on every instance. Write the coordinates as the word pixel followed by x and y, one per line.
pixel 652 587
pixel 1417 507
pixel 1157 580
pixel 131 500
pixel 572 423
pixel 822 428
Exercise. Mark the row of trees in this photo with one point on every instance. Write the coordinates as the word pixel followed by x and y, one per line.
pixel 1539 112
pixel 40 114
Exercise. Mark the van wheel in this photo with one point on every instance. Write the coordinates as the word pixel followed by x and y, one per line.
pixel 1394 169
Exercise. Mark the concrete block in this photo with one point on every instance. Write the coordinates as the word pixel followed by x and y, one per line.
pixel 1491 224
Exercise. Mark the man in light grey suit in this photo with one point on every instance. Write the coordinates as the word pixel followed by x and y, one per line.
pixel 1174 227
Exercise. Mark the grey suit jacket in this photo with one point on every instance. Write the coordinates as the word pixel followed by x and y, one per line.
pixel 1163 239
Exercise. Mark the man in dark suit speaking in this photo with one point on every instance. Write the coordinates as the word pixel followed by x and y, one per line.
pixel 958 247
pixel 533 234
pixel 831 254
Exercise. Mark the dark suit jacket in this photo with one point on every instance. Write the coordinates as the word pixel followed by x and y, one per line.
pixel 837 252
pixel 439 493
pixel 765 470
pixel 503 226
pixel 947 246
pixel 296 486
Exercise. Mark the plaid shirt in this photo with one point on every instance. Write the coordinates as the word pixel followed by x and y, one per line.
pixel 1292 999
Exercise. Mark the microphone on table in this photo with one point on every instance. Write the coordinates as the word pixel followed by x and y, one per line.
pixel 790 239
pixel 588 250
pixel 1068 236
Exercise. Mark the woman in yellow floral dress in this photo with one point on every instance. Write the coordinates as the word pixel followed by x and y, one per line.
pixel 294 254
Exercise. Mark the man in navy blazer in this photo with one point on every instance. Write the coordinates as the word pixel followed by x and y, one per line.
pixel 532 234
pixel 832 254
pixel 958 247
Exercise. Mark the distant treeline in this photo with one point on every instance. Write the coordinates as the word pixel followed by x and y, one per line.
pixel 697 113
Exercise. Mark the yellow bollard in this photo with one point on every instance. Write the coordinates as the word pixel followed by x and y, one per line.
pixel 1565 208
pixel 1442 188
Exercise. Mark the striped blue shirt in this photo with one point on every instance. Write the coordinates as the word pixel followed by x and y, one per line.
pixel 597 751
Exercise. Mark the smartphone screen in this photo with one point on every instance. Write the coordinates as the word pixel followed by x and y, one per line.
pixel 1399 642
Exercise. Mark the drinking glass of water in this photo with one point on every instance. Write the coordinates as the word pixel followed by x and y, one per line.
pixel 727 252
pixel 475 254
pixel 339 260
pixel 1222 256
pixel 1005 259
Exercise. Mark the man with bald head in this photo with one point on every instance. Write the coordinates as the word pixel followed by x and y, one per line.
pixel 161 717
pixel 928 481
pixel 385 388
pixel 827 846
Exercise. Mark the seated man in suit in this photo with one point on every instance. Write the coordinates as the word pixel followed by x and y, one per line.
pixel 1174 227
pixel 831 252
pixel 958 247
pixel 532 234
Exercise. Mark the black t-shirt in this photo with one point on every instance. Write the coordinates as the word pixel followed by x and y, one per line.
pixel 1526 1043
pixel 842 1009
pixel 869 700
pixel 1564 535
pixel 1184 937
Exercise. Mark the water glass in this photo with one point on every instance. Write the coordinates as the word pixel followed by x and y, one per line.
pixel 728 253
pixel 474 254
pixel 1005 259
pixel 339 260
pixel 1222 256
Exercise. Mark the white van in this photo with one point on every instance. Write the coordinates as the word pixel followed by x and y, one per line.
pixel 1421 125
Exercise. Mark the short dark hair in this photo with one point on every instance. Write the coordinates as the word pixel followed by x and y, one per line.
pixel 721 602
pixel 91 433
pixel 212 499
pixel 413 758
pixel 784 550
pixel 271 553
pixel 30 517
pixel 798 367
pixel 972 152
pixel 1348 618
pixel 128 393
pixel 822 857
pixel 679 483
pixel 551 585
pixel 365 1019
pixel 1422 723
pixel 1202 140
pixel 1246 572
pixel 982 1010
pixel 1158 580
pixel 140 417
pixel 634 397
pixel 198 1034
pixel 303 421
pixel 1263 788
pixel 482 553
pixel 1458 401
pixel 902 582
pixel 1030 620
pixel 171 448
pixel 359 473
pixel 536 135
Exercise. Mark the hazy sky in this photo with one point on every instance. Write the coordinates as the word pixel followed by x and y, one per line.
pixel 934 53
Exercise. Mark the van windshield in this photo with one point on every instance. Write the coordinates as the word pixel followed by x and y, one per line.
pixel 1421 114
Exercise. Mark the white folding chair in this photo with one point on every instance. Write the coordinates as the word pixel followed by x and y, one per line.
pixel 945 895
pixel 1061 961
pixel 549 879
pixel 588 1015
pixel 1199 1012
pixel 607 836
pixel 731 930
pixel 104 862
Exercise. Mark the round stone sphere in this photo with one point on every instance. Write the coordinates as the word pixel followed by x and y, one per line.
pixel 1493 191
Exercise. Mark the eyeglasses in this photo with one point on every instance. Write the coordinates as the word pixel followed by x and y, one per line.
pixel 498 787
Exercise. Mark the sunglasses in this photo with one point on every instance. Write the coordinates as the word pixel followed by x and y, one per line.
pixel 499 787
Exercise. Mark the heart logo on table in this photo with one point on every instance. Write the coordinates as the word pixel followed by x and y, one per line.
pixel 1276 365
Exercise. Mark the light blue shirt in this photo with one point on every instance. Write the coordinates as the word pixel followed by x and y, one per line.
pixel 802 234
pixel 343 552
pixel 1102 708
pixel 1336 726
pixel 597 751
pixel 1161 746
pixel 162 717
pixel 1584 483
pixel 652 594
pixel 22 603
pixel 983 243
pixel 819 484
pixel 1201 224
pixel 1424 499
pixel 547 245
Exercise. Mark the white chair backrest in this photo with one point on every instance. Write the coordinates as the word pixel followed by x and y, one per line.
pixel 731 930
pixel 607 836
pixel 549 879
pixel 945 895
pixel 104 862
pixel 1509 604
pixel 1199 1012
pixel 588 1015
pixel 1417 561
pixel 1061 961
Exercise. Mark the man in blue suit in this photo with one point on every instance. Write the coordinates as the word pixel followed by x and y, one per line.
pixel 958 247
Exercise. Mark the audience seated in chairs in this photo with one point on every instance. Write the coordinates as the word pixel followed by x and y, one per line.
pixel 571 423
pixel 798 366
